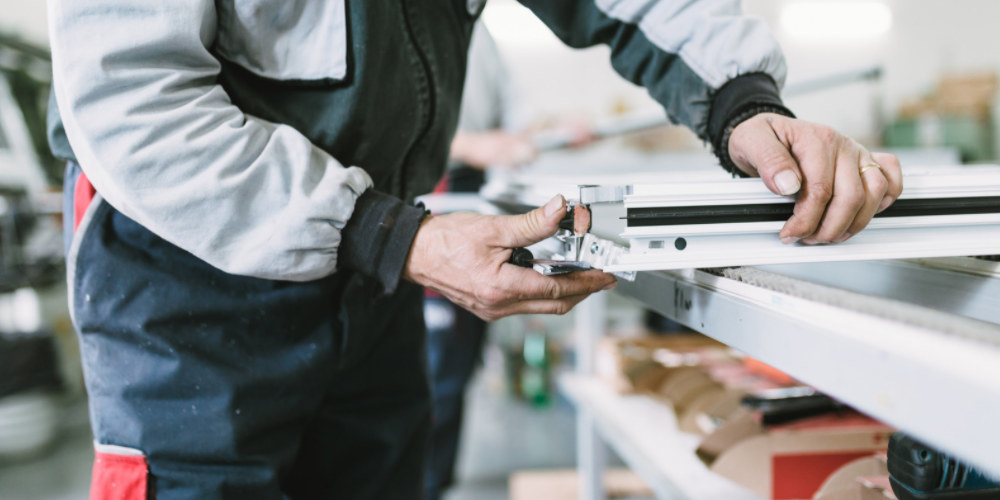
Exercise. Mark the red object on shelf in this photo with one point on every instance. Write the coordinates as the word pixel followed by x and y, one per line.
pixel 764 369
pixel 800 475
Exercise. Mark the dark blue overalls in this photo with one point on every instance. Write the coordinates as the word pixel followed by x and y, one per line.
pixel 236 387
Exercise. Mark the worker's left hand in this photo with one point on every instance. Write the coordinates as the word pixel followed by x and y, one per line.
pixel 840 185
pixel 492 148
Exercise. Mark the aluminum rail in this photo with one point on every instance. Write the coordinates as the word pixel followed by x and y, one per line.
pixel 961 285
pixel 944 212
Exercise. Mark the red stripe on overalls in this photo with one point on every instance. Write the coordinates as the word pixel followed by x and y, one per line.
pixel 119 477
pixel 83 194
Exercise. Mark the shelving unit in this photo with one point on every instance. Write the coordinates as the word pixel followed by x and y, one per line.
pixel 644 433
pixel 933 373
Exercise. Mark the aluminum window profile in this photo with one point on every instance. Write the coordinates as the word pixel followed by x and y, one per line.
pixel 943 212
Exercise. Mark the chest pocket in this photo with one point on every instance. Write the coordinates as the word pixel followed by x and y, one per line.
pixel 285 39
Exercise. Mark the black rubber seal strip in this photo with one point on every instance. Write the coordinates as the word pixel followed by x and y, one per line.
pixel 769 212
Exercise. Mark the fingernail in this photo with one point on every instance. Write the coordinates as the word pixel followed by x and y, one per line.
pixel 888 200
pixel 810 241
pixel 788 240
pixel 611 286
pixel 553 206
pixel 787 182
pixel 844 238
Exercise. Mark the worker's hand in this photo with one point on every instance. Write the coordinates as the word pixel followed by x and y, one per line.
pixel 493 148
pixel 580 131
pixel 464 256
pixel 840 185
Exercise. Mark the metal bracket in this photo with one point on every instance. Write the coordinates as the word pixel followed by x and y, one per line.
pixel 601 253
pixel 603 194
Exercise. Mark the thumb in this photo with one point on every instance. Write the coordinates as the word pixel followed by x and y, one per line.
pixel 534 226
pixel 782 176
pixel 757 147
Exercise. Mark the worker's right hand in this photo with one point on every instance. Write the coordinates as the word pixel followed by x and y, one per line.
pixel 464 256
pixel 838 184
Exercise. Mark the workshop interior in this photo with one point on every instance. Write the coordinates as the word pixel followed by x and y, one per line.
pixel 725 365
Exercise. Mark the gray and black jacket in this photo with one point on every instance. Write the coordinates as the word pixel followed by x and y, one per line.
pixel 279 138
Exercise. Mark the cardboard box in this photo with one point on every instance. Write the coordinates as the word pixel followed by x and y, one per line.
pixel 564 485
pixel 790 461
pixel 957 114
pixel 639 364
pixel 743 425
pixel 706 414
pixel 970 95
pixel 862 479
pixel 683 385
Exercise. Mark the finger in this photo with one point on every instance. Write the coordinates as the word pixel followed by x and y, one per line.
pixel 538 306
pixel 756 149
pixel 522 230
pixel 894 174
pixel 528 284
pixel 581 134
pixel 876 185
pixel 521 151
pixel 848 198
pixel 816 150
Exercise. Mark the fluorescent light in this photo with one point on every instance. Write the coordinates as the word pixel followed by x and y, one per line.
pixel 836 20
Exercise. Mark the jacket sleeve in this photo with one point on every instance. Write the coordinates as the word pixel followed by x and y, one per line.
pixel 703 60
pixel 137 92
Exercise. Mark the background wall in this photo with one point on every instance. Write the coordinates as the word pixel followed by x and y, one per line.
pixel 25 18
pixel 927 38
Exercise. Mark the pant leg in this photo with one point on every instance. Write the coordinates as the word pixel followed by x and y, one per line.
pixel 218 382
pixel 455 341
pixel 369 440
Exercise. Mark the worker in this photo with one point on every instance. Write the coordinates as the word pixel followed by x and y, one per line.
pixel 245 266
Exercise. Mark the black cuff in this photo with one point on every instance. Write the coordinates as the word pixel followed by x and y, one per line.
pixel 738 100
pixel 376 240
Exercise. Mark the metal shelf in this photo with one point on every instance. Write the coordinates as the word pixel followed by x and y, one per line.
pixel 940 382
pixel 644 433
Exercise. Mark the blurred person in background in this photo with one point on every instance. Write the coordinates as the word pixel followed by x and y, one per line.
pixel 491 134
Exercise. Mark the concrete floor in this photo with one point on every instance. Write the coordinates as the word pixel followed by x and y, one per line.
pixel 63 473
pixel 501 436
